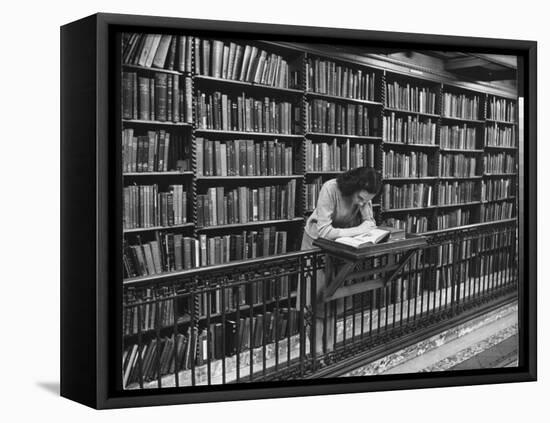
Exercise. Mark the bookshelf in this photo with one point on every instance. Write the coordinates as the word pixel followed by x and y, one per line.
pixel 228 135
pixel 455 134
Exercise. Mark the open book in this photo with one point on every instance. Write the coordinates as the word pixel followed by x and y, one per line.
pixel 375 236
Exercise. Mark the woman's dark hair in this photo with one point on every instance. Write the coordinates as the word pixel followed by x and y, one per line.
pixel 360 178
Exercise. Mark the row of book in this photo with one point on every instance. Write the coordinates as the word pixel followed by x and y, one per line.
pixel 161 308
pixel 243 158
pixel 144 206
pixel 327 77
pixel 243 62
pixel 243 113
pixel 312 193
pixel 457 165
pixel 410 223
pixel 407 196
pixel 498 136
pixel 445 252
pixel 161 98
pixel 149 309
pixel 451 219
pixel 456 192
pixel 337 156
pixel 496 189
pixel 222 206
pixel 155 151
pixel 499 163
pixel 501 109
pixel 169 252
pixel 461 137
pixel 411 130
pixel 460 106
pixel 162 51
pixel 405 165
pixel 410 98
pixel 336 118
pixel 242 298
pixel 161 356
pixel 497 211
pixel 496 240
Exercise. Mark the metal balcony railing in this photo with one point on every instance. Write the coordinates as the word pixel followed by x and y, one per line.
pixel 258 320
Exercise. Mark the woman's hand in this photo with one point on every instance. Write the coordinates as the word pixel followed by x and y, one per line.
pixel 365 227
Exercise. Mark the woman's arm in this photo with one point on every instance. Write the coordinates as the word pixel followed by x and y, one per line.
pixel 367 214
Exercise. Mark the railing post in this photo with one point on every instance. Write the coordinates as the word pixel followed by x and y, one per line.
pixel 302 307
pixel 313 301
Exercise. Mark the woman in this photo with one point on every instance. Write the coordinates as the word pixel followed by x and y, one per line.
pixel 344 208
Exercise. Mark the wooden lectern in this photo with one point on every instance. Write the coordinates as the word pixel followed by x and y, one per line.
pixel 345 263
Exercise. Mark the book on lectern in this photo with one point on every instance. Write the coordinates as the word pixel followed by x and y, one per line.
pixel 374 236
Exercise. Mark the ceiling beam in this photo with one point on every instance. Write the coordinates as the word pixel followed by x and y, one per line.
pixel 464 63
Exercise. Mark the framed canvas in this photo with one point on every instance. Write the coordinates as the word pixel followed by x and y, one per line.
pixel 255 210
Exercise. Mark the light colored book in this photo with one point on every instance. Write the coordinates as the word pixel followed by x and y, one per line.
pixel 375 236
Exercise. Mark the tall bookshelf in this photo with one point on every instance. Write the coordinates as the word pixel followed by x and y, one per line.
pixel 465 164
pixel 410 117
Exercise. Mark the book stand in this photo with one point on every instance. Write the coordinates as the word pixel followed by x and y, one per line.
pixel 344 263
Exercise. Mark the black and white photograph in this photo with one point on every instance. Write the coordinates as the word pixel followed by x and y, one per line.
pixel 225 211
pixel 307 210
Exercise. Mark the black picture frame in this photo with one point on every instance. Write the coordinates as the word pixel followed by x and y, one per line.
pixel 90 212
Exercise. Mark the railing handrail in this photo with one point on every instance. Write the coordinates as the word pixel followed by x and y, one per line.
pixel 197 271
pixel 468 227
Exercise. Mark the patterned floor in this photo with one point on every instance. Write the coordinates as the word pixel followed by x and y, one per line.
pixel 487 341
pixel 503 354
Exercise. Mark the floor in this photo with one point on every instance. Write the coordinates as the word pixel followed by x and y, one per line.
pixel 487 341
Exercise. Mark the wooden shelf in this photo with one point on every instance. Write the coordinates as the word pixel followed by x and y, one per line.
pixel 351 137
pixel 409 178
pixel 345 99
pixel 151 69
pixel 499 200
pixel 458 150
pixel 324 172
pixel 374 206
pixel 504 122
pixel 156 123
pixel 406 209
pixel 449 178
pixel 244 84
pixel 457 205
pixel 247 177
pixel 254 223
pixel 473 121
pixel 410 112
pixel 404 145
pixel 247 134
pixel 500 147
pixel 499 174
pixel 158 228
pixel 171 173
pixel 499 220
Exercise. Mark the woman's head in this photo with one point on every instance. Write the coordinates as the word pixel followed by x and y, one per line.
pixel 360 184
